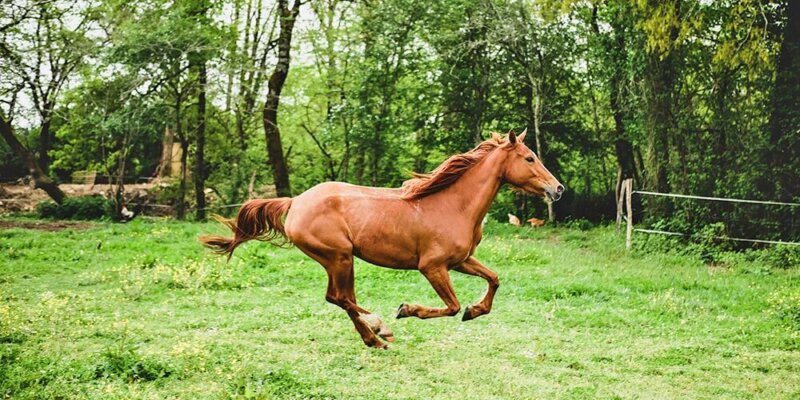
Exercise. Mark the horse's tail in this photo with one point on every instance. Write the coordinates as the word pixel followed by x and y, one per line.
pixel 258 219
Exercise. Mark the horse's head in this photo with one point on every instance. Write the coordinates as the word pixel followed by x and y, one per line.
pixel 525 171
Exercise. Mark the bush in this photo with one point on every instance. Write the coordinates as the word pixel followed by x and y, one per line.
pixel 89 207
pixel 781 256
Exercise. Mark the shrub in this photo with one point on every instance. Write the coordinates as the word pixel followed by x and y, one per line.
pixel 781 256
pixel 89 207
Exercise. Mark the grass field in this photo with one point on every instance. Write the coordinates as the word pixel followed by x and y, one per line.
pixel 142 311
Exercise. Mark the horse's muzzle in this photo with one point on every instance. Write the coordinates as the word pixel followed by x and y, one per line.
pixel 555 194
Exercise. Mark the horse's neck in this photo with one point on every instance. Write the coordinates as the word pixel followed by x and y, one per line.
pixel 473 193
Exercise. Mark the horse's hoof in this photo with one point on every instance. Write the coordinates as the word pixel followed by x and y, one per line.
pixel 378 327
pixel 402 311
pixel 379 345
pixel 467 314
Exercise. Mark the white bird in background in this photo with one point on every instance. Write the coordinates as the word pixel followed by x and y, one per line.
pixel 513 220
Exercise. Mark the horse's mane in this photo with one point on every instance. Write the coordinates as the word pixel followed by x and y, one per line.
pixel 448 172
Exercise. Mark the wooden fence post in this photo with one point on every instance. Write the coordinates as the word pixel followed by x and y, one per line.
pixel 620 202
pixel 628 197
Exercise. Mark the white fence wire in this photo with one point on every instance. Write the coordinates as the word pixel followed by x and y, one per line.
pixel 686 196
pixel 626 187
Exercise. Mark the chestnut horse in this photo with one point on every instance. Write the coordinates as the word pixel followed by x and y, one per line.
pixel 432 224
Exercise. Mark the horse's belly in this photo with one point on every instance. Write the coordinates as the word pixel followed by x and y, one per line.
pixel 387 254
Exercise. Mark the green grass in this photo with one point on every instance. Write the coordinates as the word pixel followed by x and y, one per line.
pixel 142 311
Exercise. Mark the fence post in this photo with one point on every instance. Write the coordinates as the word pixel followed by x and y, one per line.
pixel 628 197
pixel 620 202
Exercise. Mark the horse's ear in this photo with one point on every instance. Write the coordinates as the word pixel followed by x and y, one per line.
pixel 521 137
pixel 512 138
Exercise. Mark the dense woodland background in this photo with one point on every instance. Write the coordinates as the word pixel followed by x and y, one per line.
pixel 684 96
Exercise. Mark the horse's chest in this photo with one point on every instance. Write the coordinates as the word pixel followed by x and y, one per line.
pixel 465 246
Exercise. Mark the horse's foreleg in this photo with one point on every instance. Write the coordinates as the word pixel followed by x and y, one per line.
pixel 440 280
pixel 473 267
pixel 341 292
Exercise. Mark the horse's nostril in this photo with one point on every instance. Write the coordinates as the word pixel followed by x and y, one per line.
pixel 560 189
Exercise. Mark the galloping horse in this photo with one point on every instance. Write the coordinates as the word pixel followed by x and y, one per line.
pixel 432 223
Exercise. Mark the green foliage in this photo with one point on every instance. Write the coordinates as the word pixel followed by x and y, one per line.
pixel 84 208
pixel 105 121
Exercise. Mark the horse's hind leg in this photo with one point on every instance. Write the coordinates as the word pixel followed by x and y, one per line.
pixel 341 292
pixel 439 278
pixel 473 267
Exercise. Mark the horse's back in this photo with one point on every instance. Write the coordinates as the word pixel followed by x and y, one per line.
pixel 374 223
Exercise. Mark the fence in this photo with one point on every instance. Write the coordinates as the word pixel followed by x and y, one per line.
pixel 625 199
pixel 188 208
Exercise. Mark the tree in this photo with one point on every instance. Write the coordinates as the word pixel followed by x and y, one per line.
pixel 39 178
pixel 613 46
pixel 250 42
pixel 198 60
pixel 277 79
pixel 327 120
pixel 661 22
pixel 45 43
pixel 538 49
pixel 784 119
pixel 10 19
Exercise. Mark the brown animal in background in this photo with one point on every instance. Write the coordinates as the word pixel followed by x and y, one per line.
pixel 536 222
pixel 431 224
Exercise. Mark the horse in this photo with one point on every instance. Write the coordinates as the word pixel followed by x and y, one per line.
pixel 432 224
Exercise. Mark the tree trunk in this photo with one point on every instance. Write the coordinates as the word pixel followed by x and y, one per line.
pixel 280 171
pixel 536 113
pixel 45 142
pixel 626 167
pixel 184 176
pixel 660 82
pixel 165 166
pixel 181 210
pixel 659 104
pixel 200 142
pixel 784 122
pixel 39 178
pixel 119 191
pixel 532 109
pixel 622 146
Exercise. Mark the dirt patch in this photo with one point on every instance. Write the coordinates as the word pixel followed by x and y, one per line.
pixel 49 226
pixel 23 198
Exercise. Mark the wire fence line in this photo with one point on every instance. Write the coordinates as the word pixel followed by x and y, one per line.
pixel 729 200
pixel 715 237
pixel 629 217
pixel 189 208
pixel 158 205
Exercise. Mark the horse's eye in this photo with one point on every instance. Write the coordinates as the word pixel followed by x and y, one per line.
pixel 529 159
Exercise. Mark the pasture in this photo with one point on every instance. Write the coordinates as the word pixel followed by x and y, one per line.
pixel 140 310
